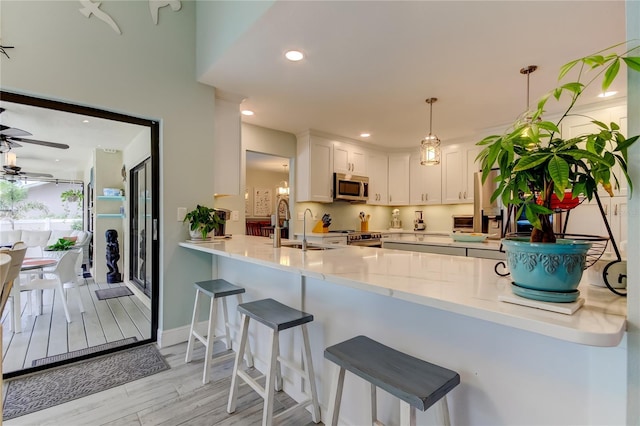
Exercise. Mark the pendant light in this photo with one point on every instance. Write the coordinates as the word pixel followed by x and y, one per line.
pixel 283 186
pixel 527 71
pixel 430 145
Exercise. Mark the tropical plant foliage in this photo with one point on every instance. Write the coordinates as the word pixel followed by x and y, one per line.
pixel 535 162
pixel 204 220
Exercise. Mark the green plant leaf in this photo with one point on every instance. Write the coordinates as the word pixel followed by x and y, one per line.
pixel 610 74
pixel 566 68
pixel 559 171
pixel 614 126
pixel 600 124
pixel 575 87
pixel 627 143
pixel 525 163
pixel 632 62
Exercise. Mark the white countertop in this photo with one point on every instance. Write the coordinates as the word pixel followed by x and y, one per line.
pixel 463 285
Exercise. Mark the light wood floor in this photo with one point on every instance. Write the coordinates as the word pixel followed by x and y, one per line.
pixel 49 334
pixel 172 397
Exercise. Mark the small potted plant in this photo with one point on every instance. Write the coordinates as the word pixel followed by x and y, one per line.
pixel 202 221
pixel 539 171
pixel 71 195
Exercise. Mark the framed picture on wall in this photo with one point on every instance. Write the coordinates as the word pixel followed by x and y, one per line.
pixel 262 202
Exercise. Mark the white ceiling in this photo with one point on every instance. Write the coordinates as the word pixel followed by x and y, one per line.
pixel 67 128
pixel 370 65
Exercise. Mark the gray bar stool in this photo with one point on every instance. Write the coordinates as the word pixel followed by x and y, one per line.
pixel 417 383
pixel 276 317
pixel 215 289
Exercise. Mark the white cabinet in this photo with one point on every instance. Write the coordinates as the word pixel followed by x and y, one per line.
pixel 425 182
pixel 318 239
pixel 378 164
pixel 314 169
pixel 349 159
pixel 587 219
pixel 398 179
pixel 458 168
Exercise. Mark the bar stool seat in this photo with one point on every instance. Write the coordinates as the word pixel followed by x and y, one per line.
pixel 277 317
pixel 215 289
pixel 417 383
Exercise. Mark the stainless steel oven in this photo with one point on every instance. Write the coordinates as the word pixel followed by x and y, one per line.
pixel 368 239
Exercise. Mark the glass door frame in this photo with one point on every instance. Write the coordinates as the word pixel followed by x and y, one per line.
pixel 154 127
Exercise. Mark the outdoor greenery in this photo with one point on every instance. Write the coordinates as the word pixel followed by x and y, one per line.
pixel 14 204
pixel 61 244
pixel 72 198
pixel 537 165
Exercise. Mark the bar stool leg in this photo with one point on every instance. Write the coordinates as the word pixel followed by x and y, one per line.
pixel 269 386
pixel 227 334
pixel 442 415
pixel 315 414
pixel 337 383
pixel 278 381
pixel 194 318
pixel 407 414
pixel 233 393
pixel 211 331
pixel 374 405
pixel 248 356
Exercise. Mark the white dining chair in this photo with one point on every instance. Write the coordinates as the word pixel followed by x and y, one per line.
pixel 36 241
pixel 62 276
pixel 17 253
pixel 5 264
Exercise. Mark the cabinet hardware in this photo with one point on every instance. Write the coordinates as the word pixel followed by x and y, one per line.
pixel 422 197
pixel 459 195
pixel 606 210
pixel 615 210
pixel 465 195
pixel 426 197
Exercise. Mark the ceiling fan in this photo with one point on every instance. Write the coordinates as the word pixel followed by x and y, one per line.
pixel 10 169
pixel 11 137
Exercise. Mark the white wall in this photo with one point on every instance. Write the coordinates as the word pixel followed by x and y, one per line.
pixel 148 71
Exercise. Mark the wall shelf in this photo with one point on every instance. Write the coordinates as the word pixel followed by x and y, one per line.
pixel 109 215
pixel 111 197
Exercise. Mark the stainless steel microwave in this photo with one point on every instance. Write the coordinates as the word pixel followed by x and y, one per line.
pixel 350 188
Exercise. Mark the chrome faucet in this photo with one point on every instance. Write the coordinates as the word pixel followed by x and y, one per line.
pixel 304 228
pixel 276 230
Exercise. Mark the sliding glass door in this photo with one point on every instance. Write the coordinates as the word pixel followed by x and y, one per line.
pixel 141 226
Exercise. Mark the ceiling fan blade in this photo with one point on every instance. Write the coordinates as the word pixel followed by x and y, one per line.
pixel 30 174
pixel 13 132
pixel 43 143
pixel 10 143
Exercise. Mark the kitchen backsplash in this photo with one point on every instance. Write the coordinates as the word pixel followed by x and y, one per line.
pixel 345 215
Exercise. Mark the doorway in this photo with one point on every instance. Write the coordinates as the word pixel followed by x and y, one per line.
pixel 106 325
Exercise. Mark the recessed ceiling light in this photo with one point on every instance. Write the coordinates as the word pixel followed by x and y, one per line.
pixel 606 94
pixel 85 121
pixel 57 160
pixel 247 112
pixel 294 55
pixel 365 135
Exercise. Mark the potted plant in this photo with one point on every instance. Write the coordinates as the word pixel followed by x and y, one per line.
pixel 202 220
pixel 539 170
pixel 71 195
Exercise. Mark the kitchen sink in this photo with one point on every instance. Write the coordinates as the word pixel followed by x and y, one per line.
pixel 310 246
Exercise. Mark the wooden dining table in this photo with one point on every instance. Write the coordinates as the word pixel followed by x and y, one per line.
pixel 28 264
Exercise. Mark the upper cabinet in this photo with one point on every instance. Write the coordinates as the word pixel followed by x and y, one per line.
pixel 458 168
pixel 398 179
pixel 425 182
pixel 314 171
pixel 378 164
pixel 349 159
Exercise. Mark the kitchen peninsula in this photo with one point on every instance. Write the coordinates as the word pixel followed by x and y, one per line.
pixel 445 309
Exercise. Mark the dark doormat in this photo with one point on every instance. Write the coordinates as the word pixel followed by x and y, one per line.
pixel 63 384
pixel 110 293
pixel 81 352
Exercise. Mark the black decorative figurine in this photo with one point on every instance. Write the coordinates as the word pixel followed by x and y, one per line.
pixel 113 255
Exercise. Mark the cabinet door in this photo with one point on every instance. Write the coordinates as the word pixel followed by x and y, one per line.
pixel 425 182
pixel 314 174
pixel 586 219
pixel 452 176
pixel 618 215
pixel 399 180
pixel 378 176
pixel 349 159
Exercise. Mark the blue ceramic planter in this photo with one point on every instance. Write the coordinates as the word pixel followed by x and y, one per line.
pixel 543 266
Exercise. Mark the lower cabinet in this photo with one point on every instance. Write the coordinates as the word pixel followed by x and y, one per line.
pixel 448 250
